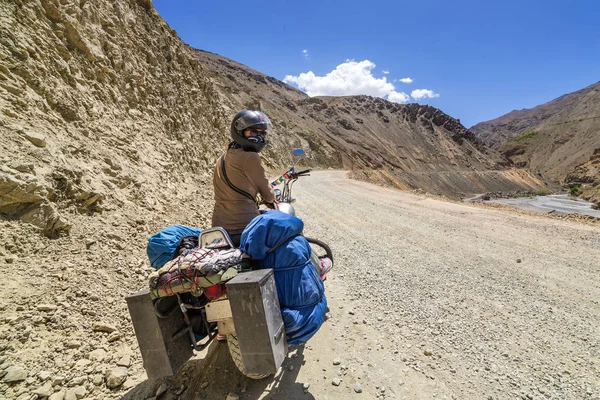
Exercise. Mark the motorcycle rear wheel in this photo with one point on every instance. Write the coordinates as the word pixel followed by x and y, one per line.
pixel 324 246
pixel 236 356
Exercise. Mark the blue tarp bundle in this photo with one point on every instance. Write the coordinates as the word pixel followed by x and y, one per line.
pixel 162 245
pixel 299 288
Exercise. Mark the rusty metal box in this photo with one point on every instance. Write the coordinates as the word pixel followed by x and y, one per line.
pixel 161 353
pixel 257 320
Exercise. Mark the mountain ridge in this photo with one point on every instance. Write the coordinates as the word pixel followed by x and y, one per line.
pixel 366 133
pixel 498 130
pixel 559 139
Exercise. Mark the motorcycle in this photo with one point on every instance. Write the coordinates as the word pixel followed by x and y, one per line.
pixel 204 303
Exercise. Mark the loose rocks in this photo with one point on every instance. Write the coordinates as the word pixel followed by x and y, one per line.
pixel 15 374
pixel 115 377
pixel 44 391
pixel 101 327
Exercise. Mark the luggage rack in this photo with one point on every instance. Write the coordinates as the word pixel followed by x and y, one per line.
pixel 215 237
pixel 170 328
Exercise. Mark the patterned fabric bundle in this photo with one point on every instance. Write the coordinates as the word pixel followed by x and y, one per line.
pixel 196 270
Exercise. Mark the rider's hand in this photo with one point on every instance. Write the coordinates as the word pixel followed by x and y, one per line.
pixel 273 206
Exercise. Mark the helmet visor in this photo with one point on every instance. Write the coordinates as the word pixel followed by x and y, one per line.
pixel 255 120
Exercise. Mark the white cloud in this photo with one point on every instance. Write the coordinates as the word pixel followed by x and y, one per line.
pixel 406 80
pixel 348 78
pixel 385 72
pixel 398 97
pixel 305 53
pixel 423 93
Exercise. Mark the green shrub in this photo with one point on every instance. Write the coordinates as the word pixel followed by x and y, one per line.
pixel 596 183
pixel 525 135
pixel 575 190
pixel 543 192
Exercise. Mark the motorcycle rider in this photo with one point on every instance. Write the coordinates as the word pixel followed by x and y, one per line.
pixel 239 175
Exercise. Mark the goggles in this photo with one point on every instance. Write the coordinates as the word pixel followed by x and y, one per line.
pixel 256 132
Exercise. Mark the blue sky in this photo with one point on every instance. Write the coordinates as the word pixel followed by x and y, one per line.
pixel 475 60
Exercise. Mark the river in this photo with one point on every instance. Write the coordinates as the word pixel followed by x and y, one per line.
pixel 558 203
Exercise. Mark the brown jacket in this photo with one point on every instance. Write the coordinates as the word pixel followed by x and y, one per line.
pixel 232 210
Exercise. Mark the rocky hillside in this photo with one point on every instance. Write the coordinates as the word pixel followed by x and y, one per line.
pixel 102 106
pixel 108 129
pixel 502 129
pixel 559 139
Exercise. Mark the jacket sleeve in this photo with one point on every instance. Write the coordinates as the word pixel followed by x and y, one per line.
pixel 258 177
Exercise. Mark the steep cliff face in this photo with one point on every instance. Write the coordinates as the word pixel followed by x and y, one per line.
pixel 102 105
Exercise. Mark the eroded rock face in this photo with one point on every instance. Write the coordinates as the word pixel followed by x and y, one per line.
pixel 19 191
pixel 48 218
pixel 109 109
pixel 104 102
pixel 587 176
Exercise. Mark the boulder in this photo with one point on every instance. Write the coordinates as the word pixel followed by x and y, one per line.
pixel 44 391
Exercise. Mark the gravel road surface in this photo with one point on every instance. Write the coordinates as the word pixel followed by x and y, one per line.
pixel 431 299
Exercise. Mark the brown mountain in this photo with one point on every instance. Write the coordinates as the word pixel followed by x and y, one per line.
pixel 105 109
pixel 408 146
pixel 559 139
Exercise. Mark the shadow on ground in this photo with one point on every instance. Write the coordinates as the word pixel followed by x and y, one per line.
pixel 215 376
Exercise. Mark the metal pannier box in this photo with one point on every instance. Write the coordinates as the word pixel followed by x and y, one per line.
pixel 161 353
pixel 258 322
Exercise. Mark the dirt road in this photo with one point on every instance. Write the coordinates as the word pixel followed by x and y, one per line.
pixel 430 299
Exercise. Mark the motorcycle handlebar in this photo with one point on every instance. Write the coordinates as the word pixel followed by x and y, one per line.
pixel 296 175
pixel 304 172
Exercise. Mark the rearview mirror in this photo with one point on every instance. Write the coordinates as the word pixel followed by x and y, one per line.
pixel 299 152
